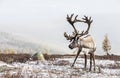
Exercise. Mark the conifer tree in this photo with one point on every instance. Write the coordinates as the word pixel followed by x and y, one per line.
pixel 106 45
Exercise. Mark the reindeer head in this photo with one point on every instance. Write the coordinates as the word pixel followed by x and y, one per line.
pixel 76 35
pixel 74 43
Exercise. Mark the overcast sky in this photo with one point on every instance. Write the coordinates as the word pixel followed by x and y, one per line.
pixel 45 20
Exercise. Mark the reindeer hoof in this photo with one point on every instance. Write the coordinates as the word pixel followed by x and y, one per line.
pixel 89 69
pixel 85 69
pixel 72 65
pixel 94 69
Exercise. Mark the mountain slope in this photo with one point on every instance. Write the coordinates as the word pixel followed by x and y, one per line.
pixel 26 45
pixel 18 43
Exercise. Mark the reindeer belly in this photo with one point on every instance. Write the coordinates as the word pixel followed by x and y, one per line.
pixel 85 50
pixel 88 47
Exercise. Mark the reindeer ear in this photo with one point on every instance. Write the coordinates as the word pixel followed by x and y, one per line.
pixel 68 37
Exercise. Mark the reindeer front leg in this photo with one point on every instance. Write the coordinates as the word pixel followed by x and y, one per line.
pixel 76 56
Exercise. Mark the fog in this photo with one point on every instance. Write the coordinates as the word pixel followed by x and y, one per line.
pixel 45 21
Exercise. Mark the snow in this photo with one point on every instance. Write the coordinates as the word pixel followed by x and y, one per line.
pixel 4 64
pixel 49 69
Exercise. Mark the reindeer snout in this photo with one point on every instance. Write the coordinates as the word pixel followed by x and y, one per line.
pixel 70 47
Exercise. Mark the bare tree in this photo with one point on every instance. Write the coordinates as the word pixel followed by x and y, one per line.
pixel 81 40
pixel 106 45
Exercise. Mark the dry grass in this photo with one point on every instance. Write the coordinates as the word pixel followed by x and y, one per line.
pixel 9 58
pixel 104 57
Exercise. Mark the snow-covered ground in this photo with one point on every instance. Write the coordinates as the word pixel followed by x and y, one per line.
pixel 60 68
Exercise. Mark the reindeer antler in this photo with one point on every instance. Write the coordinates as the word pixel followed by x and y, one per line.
pixel 69 19
pixel 88 21
pixel 76 33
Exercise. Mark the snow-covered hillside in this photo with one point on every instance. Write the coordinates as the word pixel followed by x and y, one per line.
pixel 18 43
pixel 60 68
pixel 24 45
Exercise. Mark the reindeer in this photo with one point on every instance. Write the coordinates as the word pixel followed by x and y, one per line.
pixel 83 41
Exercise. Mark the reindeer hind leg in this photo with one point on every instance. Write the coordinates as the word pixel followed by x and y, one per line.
pixel 93 55
pixel 85 56
pixel 90 62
